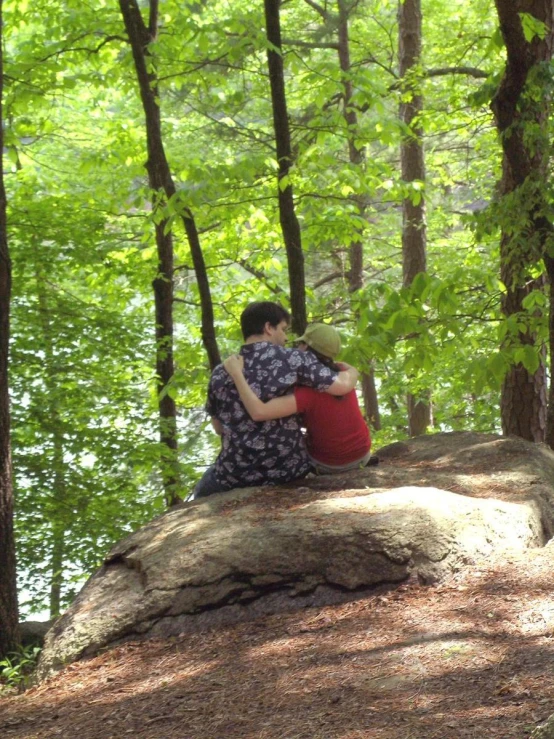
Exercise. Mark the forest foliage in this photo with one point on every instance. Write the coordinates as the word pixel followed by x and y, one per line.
pixel 82 220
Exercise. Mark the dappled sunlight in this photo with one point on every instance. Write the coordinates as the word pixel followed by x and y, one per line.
pixel 129 675
pixel 537 617
pixel 168 673
pixel 425 663
pixel 277 648
pixel 249 552
pixel 468 657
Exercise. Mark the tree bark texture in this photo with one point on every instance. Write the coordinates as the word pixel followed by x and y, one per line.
pixel 523 400
pixel 355 155
pixel 370 398
pixel 289 222
pixel 161 182
pixel 414 227
pixel 357 158
pixel 9 632
pixel 549 436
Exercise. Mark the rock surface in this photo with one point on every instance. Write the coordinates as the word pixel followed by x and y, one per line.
pixel 544 731
pixel 32 633
pixel 431 506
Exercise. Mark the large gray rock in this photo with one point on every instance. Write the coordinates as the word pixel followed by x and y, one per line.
pixel 431 506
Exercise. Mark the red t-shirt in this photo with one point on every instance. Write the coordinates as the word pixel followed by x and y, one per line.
pixel 337 432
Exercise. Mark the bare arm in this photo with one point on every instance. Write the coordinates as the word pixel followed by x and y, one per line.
pixel 257 409
pixel 345 382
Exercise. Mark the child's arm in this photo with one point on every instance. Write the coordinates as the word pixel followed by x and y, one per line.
pixel 346 380
pixel 257 409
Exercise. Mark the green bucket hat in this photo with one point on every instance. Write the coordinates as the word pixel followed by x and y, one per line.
pixel 323 339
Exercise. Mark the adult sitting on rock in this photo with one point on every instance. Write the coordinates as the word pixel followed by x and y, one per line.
pixel 337 436
pixel 272 452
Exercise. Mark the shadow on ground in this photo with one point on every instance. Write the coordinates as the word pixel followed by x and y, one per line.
pixel 470 658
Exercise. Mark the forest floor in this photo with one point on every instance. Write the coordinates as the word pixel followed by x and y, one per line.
pixel 471 657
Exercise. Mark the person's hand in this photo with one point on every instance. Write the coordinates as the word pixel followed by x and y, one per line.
pixel 343 366
pixel 234 364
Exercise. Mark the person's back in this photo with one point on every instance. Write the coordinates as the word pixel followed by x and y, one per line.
pixel 268 452
pixel 338 437
pixel 336 431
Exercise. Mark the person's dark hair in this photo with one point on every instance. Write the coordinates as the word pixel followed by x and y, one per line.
pixel 327 361
pixel 256 315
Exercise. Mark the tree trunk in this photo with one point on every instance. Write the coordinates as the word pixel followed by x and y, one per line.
pixel 525 161
pixel 159 173
pixel 58 503
pixel 163 299
pixel 161 181
pixel 371 401
pixel 523 406
pixel 414 233
pixel 356 157
pixel 9 634
pixel 550 414
pixel 56 569
pixel 287 214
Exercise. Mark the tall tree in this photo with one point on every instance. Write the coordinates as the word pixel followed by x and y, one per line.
pixel 141 36
pixel 211 61
pixel 356 155
pixel 414 246
pixel 287 213
pixel 8 593
pixel 55 428
pixel 521 112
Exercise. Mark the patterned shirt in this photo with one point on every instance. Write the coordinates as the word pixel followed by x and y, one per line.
pixel 263 452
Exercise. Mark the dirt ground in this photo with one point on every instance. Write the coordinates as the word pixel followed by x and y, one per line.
pixel 472 657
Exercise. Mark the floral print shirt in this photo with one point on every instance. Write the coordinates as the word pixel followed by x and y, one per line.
pixel 263 452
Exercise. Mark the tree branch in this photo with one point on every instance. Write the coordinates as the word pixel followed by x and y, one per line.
pixel 194 67
pixel 207 229
pixel 442 72
pixel 187 302
pixel 470 71
pixel 310 44
pixel 275 289
pixel 95 50
pixel 318 9
pixel 330 278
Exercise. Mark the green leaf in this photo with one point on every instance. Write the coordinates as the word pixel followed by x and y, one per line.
pixel 532 27
pixel 528 356
pixel 536 298
pixel 498 366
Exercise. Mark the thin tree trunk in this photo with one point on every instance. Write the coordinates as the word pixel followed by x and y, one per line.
pixel 163 300
pixel 414 229
pixel 355 155
pixel 371 401
pixel 159 173
pixel 9 633
pixel 59 488
pixel 56 570
pixel 357 158
pixel 549 437
pixel 523 401
pixel 161 181
pixel 287 214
